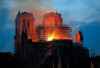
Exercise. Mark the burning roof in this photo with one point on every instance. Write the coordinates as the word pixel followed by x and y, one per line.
pixel 51 28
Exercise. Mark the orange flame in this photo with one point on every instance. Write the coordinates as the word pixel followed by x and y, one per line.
pixel 78 37
pixel 51 36
pixel 58 34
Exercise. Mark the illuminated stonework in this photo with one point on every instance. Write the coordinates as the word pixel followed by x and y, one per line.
pixel 52 27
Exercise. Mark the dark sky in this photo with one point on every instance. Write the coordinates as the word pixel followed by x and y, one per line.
pixel 82 15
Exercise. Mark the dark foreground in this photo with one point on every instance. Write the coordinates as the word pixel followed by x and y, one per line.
pixel 52 57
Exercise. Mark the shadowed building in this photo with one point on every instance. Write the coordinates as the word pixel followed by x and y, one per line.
pixel 49 43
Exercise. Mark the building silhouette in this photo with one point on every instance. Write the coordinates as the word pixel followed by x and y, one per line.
pixel 49 43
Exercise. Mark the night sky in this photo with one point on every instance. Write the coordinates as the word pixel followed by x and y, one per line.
pixel 83 15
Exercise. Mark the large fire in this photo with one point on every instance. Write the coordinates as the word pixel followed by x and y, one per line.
pixel 54 29
pixel 55 36
pixel 51 27
pixel 58 34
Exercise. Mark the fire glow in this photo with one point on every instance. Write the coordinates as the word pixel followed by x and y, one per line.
pixel 52 28
pixel 53 24
pixel 51 37
pixel 58 34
